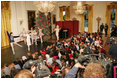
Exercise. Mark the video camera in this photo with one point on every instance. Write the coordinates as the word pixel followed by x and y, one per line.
pixel 97 58
pixel 41 69
pixel 111 41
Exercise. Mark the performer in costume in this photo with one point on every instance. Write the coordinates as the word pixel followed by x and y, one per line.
pixel 11 38
pixel 28 41
pixel 35 37
pixel 40 34
pixel 57 32
pixel 23 35
pixel 32 35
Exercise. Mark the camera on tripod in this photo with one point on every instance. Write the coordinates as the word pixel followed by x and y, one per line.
pixel 105 62
pixel 111 41
pixel 41 69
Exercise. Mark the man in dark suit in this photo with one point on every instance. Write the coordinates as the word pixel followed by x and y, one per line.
pixel 114 31
pixel 113 50
pixel 106 29
pixel 101 28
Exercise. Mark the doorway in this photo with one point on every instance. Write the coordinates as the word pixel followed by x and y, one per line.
pixel 31 19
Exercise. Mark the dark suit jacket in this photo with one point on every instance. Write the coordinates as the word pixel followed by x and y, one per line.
pixel 113 51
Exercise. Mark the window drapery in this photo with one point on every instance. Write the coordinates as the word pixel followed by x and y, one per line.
pixel 61 13
pixel 116 17
pixel 67 13
pixel 82 23
pixel 67 10
pixel 5 22
pixel 108 15
pixel 90 19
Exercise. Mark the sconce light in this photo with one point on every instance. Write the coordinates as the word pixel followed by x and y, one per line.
pixel 98 20
pixel 20 21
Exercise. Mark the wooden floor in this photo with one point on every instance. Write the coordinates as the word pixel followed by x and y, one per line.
pixel 8 57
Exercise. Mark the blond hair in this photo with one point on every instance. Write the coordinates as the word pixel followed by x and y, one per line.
pixel 24 74
pixel 94 70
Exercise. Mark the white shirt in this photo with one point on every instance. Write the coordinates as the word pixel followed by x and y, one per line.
pixel 81 50
pixel 96 43
pixel 17 66
pixel 77 47
pixel 28 40
pixel 57 31
pixel 49 61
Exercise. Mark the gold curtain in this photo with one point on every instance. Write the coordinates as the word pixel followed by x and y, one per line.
pixel 116 17
pixel 67 13
pixel 108 17
pixel 114 6
pixel 67 10
pixel 5 22
pixel 61 13
pixel 82 23
pixel 90 18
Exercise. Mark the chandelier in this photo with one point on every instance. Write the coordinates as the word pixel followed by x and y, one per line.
pixel 45 6
pixel 79 8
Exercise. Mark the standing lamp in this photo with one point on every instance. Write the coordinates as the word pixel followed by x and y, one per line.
pixel 98 20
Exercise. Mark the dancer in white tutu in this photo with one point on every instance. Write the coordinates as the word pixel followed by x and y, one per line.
pixel 57 32
pixel 34 36
pixel 40 34
pixel 23 35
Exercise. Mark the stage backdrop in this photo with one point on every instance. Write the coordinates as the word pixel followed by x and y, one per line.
pixel 72 26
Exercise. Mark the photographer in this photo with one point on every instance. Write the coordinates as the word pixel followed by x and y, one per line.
pixel 113 50
pixel 114 31
pixel 92 70
pixel 72 73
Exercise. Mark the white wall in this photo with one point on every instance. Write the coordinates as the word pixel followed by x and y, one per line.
pixel 19 13
pixel 99 9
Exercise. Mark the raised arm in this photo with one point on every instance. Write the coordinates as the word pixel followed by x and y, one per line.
pixel 72 73
pixel 8 34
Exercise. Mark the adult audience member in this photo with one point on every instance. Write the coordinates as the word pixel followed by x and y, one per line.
pixel 114 31
pixel 6 71
pixel 113 50
pixel 24 74
pixel 101 28
pixel 106 29
pixel 92 70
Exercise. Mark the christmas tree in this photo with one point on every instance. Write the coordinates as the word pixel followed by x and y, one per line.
pixel 43 23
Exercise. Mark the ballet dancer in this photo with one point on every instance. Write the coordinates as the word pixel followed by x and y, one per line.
pixel 35 37
pixel 12 42
pixel 28 41
pixel 40 34
pixel 57 32
pixel 32 35
pixel 23 35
